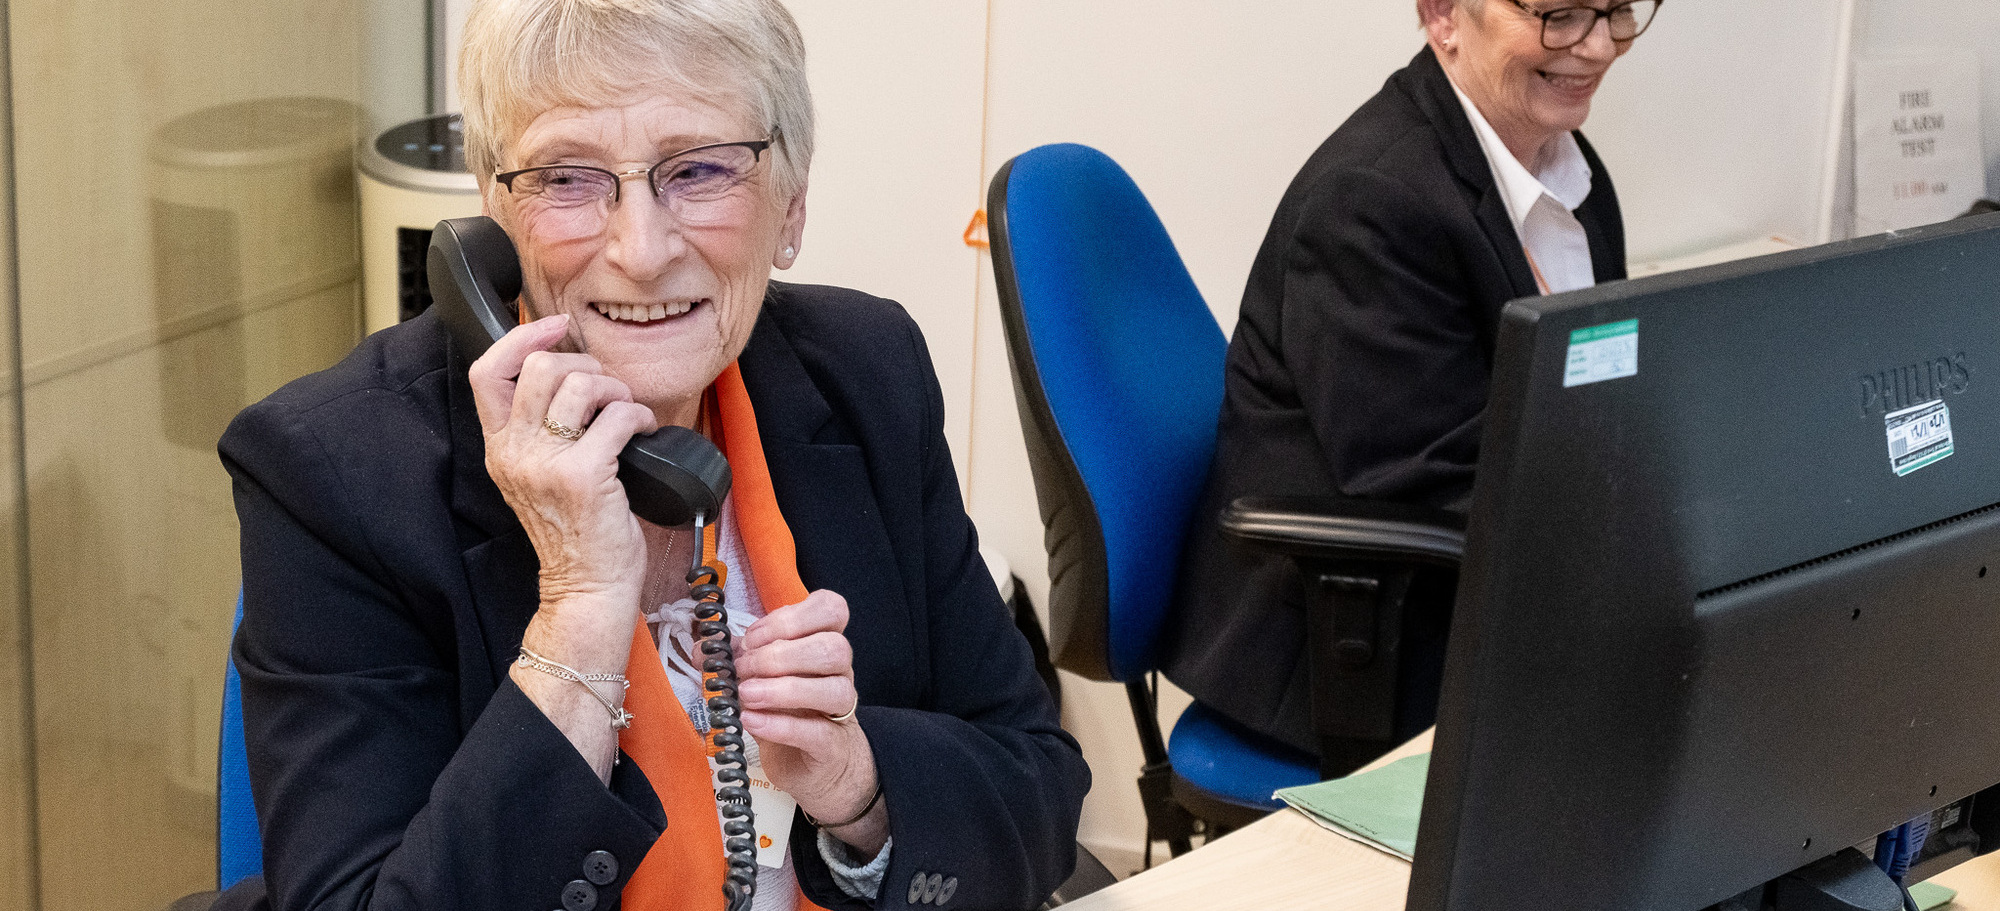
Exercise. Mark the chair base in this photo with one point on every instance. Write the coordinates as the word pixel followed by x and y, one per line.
pixel 1222 814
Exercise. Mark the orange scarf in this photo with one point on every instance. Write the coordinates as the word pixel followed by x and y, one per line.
pixel 684 870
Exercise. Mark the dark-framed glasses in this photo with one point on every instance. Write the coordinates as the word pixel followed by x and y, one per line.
pixel 1567 26
pixel 688 182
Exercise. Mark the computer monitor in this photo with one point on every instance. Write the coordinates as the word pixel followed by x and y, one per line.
pixel 1731 596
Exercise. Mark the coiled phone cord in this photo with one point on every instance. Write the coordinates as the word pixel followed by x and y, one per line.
pixel 725 725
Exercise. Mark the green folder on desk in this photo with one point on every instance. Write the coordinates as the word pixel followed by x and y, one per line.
pixel 1380 808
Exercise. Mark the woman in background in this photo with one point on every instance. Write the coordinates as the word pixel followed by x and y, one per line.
pixel 1361 354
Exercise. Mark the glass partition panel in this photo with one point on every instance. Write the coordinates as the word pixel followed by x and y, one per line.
pixel 185 209
pixel 17 794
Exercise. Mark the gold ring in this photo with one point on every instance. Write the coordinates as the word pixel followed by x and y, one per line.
pixel 561 429
pixel 848 715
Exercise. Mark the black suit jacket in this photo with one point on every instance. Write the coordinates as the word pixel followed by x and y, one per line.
pixel 387 586
pixel 1359 367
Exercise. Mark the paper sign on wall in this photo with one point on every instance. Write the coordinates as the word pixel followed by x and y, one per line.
pixel 1917 156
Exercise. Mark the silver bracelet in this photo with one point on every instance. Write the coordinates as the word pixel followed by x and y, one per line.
pixel 620 719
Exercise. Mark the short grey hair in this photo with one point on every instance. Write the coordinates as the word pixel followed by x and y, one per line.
pixel 521 58
pixel 1470 6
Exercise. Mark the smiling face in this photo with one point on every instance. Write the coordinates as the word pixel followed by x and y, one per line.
pixel 1530 94
pixel 664 300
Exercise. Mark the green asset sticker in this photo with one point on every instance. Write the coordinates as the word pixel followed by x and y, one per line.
pixel 1602 352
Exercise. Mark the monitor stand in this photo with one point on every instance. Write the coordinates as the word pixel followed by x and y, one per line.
pixel 1845 881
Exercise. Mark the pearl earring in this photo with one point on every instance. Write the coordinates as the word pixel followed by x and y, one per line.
pixel 790 251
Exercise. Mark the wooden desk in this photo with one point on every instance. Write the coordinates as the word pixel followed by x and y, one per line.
pixel 1287 861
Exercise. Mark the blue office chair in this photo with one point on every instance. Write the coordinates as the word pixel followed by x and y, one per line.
pixel 1118 368
pixel 239 852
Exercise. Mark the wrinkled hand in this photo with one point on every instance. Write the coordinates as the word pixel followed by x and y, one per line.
pixel 565 492
pixel 796 672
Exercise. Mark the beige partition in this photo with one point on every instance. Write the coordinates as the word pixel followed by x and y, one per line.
pixel 186 222
pixel 17 793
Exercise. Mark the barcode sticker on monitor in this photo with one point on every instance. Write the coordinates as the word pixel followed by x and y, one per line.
pixel 1918 436
pixel 1599 353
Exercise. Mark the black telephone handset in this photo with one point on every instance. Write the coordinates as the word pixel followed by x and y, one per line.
pixel 672 477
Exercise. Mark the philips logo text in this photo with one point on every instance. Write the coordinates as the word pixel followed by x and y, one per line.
pixel 1901 387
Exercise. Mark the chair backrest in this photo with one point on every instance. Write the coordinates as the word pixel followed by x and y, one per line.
pixel 1117 366
pixel 239 852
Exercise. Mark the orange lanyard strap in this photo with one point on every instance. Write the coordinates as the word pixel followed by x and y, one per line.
pixel 683 871
pixel 1540 282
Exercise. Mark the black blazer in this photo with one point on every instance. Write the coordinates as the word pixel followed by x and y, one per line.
pixel 387 587
pixel 1359 366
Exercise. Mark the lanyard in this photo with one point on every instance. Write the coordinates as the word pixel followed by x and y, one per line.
pixel 1540 282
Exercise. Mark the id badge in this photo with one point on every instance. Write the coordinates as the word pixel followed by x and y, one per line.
pixel 773 809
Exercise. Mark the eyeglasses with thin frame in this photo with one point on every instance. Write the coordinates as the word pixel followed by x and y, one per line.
pixel 1567 26
pixel 690 183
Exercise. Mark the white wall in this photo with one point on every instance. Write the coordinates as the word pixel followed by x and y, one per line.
pixel 1716 133
pixel 1211 107
pixel 897 173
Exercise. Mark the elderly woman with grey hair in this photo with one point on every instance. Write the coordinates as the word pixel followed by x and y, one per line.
pixel 1361 354
pixel 469 669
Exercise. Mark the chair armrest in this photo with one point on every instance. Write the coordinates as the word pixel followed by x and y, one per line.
pixel 1337 528
pixel 1357 561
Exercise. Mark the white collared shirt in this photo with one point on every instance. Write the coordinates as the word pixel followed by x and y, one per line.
pixel 1542 204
